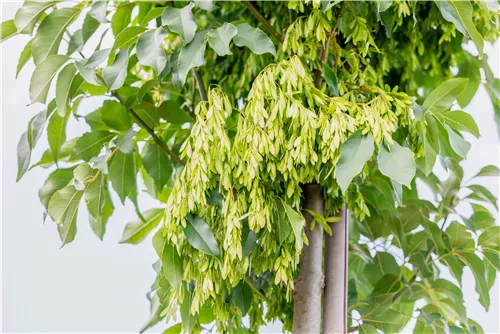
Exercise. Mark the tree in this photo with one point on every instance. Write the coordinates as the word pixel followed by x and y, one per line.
pixel 258 126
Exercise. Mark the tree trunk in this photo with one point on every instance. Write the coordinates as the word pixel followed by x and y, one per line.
pixel 309 284
pixel 336 260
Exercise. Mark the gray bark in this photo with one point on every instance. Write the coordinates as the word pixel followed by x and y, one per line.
pixel 336 260
pixel 309 284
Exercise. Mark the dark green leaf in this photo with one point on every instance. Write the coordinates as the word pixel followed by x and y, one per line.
pixel 56 132
pixel 99 204
pixel 63 86
pixel 170 259
pixel 192 55
pixel 114 75
pixel 121 18
pixel 158 164
pixel 172 113
pixel 114 115
pixel 200 235
pixel 461 121
pixel 188 320
pixel 331 80
pixel 441 98
pixel 242 297
pixel 127 37
pixel 122 174
pixel 59 179
pixel 480 193
pixel 477 268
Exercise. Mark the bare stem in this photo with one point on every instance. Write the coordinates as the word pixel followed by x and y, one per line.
pixel 262 19
pixel 143 124
pixel 201 86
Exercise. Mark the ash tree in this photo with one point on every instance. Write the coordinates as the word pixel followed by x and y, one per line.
pixel 265 130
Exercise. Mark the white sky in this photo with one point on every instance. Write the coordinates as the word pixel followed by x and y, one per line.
pixel 96 286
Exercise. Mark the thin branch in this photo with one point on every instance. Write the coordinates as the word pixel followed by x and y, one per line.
pixel 201 86
pixel 318 79
pixel 143 124
pixel 262 20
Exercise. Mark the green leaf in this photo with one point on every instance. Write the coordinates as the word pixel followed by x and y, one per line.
pixel 174 329
pixel 122 174
pixel 170 259
pixel 192 55
pixel 121 17
pixel 242 296
pixel 188 320
pixel 490 170
pixel 427 162
pixel 383 5
pixel 114 75
pixel 43 75
pixel 331 79
pixel 98 11
pixel 219 38
pixel 249 240
pixel 63 86
pixel 254 38
pixel 460 14
pixel 458 235
pixel 297 222
pixel 28 141
pixel 480 193
pixel 90 26
pixel 138 230
pixel 476 266
pixel 114 115
pixel 57 180
pixel 461 121
pixel 181 21
pixel 444 95
pixel 24 57
pixel 283 228
pixel 490 237
pixel 127 37
pixel 90 144
pixel 75 42
pixel 207 5
pixel 172 113
pixel 158 164
pixel 56 133
pixel 125 143
pixel 7 30
pixel 469 69
pixel 50 33
pixel 153 14
pixel 29 14
pixel 63 210
pixel 150 50
pixel 200 235
pixel 356 151
pixel 397 163
pixel 99 204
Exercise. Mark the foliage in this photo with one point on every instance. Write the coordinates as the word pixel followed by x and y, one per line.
pixel 228 165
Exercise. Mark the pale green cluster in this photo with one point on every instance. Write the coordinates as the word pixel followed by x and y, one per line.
pixel 288 134
pixel 307 34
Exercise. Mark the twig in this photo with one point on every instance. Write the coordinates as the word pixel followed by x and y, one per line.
pixel 143 124
pixel 201 86
pixel 318 78
pixel 262 19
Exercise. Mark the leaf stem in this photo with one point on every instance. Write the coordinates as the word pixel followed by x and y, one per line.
pixel 262 20
pixel 199 82
pixel 143 124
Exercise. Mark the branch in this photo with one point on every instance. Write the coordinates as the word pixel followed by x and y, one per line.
pixel 143 124
pixel 262 20
pixel 201 86
pixel 318 79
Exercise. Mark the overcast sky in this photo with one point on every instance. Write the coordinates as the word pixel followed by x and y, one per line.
pixel 100 286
